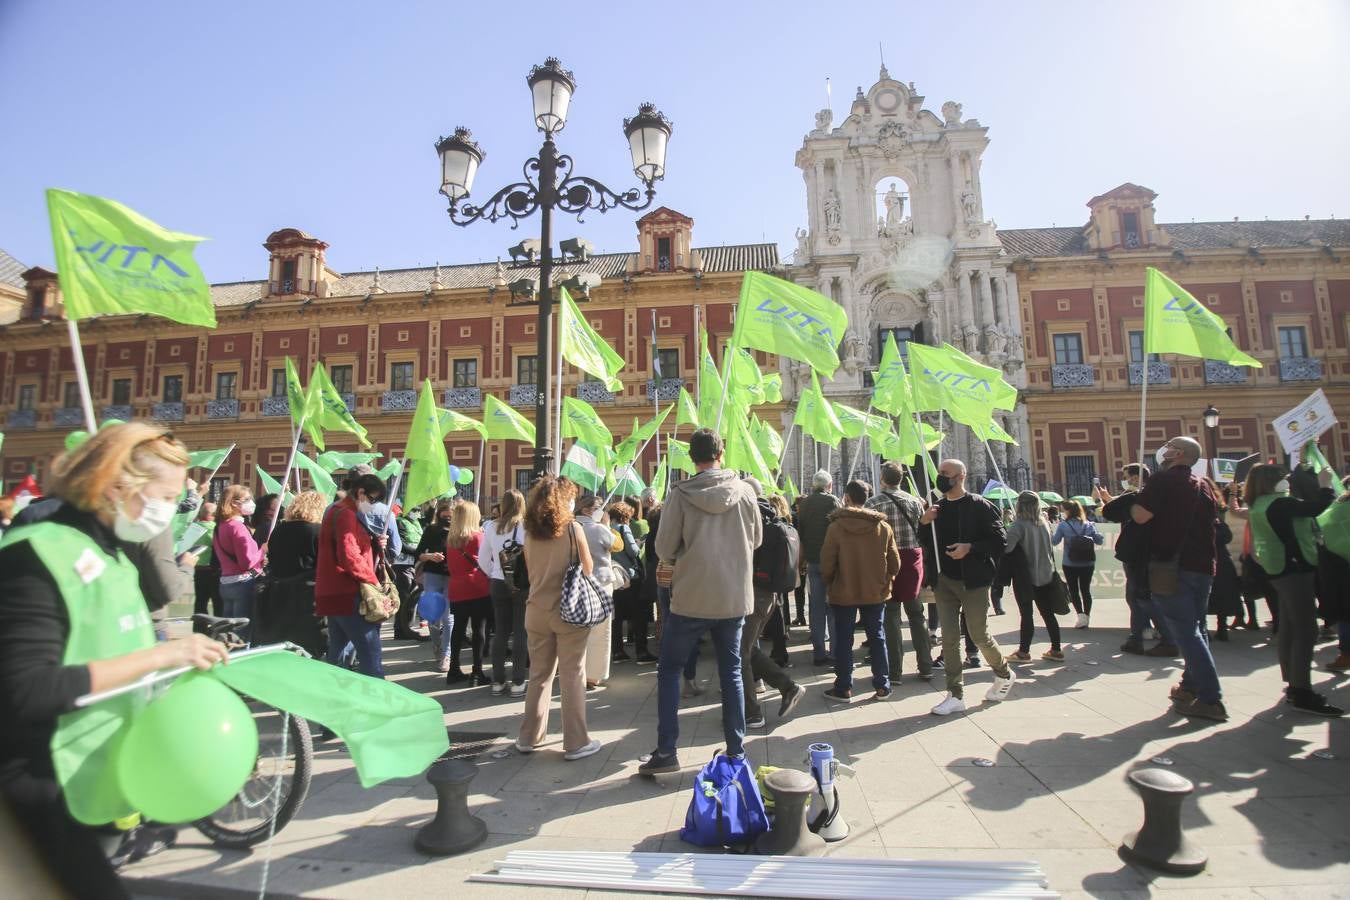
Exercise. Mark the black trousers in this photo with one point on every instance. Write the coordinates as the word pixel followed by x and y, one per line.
pixel 629 607
pixel 407 606
pixel 206 593
pixel 475 613
pixel 1028 597
pixel 1080 587
pixel 74 855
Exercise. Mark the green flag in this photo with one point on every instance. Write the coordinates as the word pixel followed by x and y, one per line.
pixel 790 490
pixel 1175 322
pixel 208 459
pixel 581 421
pixel 678 455
pixel 891 391
pixel 746 382
pixel 742 453
pixel 628 447
pixel 1312 456
pixel 271 486
pixel 815 417
pixel 992 431
pixel 780 317
pixel 504 423
pixel 646 432
pixel 773 388
pixel 111 260
pixel 303 405
pixel 769 442
pixel 1004 394
pixel 429 477
pixel 624 481
pixel 709 383
pixel 583 466
pixel 332 460
pixel 330 410
pixel 855 423
pixel 661 480
pixel 944 382
pixel 323 482
pixel 452 422
pixel 390 731
pixel 686 412
pixel 585 349
pixel 392 469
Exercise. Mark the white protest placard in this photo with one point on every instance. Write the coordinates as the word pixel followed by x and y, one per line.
pixel 1305 422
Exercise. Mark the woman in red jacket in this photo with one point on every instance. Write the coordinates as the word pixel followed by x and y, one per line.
pixel 469 591
pixel 347 561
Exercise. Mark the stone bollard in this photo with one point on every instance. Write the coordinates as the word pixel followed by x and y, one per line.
pixel 1160 843
pixel 454 829
pixel 789 836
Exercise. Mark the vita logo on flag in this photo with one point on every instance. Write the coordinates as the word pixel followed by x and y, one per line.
pixel 1193 312
pixel 155 261
pixel 796 318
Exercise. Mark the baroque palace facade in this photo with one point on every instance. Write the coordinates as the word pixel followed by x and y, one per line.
pixel 469 328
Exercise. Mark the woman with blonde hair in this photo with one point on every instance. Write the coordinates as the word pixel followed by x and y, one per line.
pixel 1032 564
pixel 239 556
pixel 73 621
pixel 507 534
pixel 468 592
pixel 553 542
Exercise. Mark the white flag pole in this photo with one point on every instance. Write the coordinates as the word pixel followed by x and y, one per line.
pixel 290 464
pixel 482 469
pixel 1143 402
pixel 866 441
pixel 81 376
pixel 222 462
pixel 782 454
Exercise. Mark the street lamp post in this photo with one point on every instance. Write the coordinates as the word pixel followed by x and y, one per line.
pixel 550 183
pixel 1212 429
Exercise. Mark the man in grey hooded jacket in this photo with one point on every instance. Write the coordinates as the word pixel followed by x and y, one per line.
pixel 710 527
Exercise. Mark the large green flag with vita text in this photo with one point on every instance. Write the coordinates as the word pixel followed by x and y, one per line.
pixel 780 317
pixel 1175 322
pixel 943 381
pixel 1005 395
pixel 113 261
pixel 581 421
pixel 504 423
pixel 583 347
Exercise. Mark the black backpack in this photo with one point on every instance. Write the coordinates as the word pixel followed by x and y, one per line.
pixel 512 560
pixel 776 557
pixel 1082 549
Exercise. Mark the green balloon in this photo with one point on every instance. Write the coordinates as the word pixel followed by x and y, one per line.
pixel 465 476
pixel 108 423
pixel 188 752
pixel 76 438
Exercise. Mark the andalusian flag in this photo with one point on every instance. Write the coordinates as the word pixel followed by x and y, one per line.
pixel 686 411
pixel 429 468
pixel 891 384
pixel 504 423
pixel 452 422
pixel 583 466
pixel 780 317
pixel 815 417
pixel 1175 322
pixel 585 349
pixel 581 421
pixel 329 411
pixel 113 261
pixel 625 482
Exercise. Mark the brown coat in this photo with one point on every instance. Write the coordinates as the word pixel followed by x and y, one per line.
pixel 859 559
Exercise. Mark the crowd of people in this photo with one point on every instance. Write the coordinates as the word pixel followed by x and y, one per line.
pixel 86 574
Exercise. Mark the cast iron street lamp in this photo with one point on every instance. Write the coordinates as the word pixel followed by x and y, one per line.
pixel 1212 427
pixel 549 183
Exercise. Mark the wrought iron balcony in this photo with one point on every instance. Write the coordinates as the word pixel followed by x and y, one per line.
pixel 222 409
pixel 276 406
pixel 1300 368
pixel 594 392
pixel 1158 372
pixel 398 401
pixel 167 412
pixel 21 418
pixel 118 411
pixel 668 389
pixel 68 416
pixel 523 394
pixel 1073 375
pixel 1222 373
pixel 463 398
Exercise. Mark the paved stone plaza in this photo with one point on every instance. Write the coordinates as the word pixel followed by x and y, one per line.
pixel 1272 817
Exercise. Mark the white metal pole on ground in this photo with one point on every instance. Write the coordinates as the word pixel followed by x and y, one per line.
pixel 927 485
pixel 81 376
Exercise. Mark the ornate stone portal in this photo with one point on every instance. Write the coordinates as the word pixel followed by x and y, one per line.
pixel 896 234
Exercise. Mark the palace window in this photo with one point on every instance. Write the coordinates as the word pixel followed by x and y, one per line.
pixel 663 254
pixel 523 479
pixel 668 362
pixel 527 370
pixel 173 388
pixel 341 377
pixel 225 385
pixel 278 382
pixel 1293 342
pixel 1068 349
pixel 27 396
pixel 1129 230
pixel 1137 348
pixel 401 376
pixel 902 338
pixel 121 392
pixel 70 396
pixel 466 373
pixel 288 276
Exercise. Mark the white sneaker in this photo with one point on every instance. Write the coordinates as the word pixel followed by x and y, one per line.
pixel 1082 621
pixel 523 748
pixel 582 752
pixel 1001 688
pixel 952 704
pixel 518 690
pixel 499 688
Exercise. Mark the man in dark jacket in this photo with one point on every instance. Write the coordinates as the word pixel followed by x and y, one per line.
pixel 970 542
pixel 1132 551
pixel 815 512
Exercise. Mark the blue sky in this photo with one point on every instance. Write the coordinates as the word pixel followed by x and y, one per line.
pixel 233 120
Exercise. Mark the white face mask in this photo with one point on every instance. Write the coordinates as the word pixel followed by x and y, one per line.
pixel 248 508
pixel 156 516
pixel 1282 486
pixel 1124 484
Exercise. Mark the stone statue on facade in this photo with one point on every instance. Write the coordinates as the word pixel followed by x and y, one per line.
pixel 968 206
pixel 834 220
pixel 856 353
pixel 824 119
pixel 995 341
pixel 951 113
pixel 895 207
pixel 803 245
pixel 970 338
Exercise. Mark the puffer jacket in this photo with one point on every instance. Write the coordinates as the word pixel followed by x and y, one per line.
pixel 710 527
pixel 859 559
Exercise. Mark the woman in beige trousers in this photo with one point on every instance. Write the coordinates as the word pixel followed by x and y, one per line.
pixel 553 541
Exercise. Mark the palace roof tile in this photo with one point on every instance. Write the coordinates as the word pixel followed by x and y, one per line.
pixel 1187 236
pixel 11 270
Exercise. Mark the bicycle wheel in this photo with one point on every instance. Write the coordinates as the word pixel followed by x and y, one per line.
pixel 274 790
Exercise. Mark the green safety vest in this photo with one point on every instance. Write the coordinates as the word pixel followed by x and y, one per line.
pixel 1266 544
pixel 108 618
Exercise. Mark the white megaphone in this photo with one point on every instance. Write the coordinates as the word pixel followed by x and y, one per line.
pixel 824 818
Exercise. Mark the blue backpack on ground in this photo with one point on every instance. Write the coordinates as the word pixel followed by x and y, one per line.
pixel 727 807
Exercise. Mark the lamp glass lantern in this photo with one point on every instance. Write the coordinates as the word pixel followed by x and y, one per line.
pixel 1211 417
pixel 551 88
pixel 460 156
pixel 647 134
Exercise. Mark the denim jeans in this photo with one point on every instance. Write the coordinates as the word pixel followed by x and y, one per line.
pixel 663 601
pixel 819 611
pixel 680 636
pixel 237 600
pixel 1184 616
pixel 363 635
pixel 843 619
pixel 1137 599
pixel 436 583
